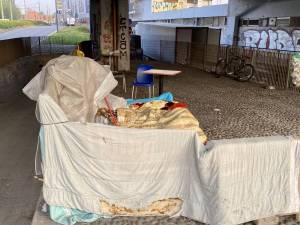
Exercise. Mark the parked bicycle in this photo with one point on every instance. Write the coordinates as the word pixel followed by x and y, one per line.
pixel 236 68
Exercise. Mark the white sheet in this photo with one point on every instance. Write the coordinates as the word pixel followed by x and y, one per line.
pixel 234 182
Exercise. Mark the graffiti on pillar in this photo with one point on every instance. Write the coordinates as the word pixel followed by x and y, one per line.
pixel 123 41
pixel 107 38
pixel 272 39
pixel 123 37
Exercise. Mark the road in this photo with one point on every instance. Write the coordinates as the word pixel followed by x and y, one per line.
pixel 36 31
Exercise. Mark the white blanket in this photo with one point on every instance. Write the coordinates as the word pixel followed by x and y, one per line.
pixel 234 182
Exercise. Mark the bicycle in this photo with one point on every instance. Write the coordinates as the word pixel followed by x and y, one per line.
pixel 236 68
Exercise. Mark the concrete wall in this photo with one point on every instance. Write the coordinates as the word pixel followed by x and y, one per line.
pixel 153 37
pixel 237 8
pixel 285 39
pixel 15 75
pixel 274 38
pixel 12 49
pixel 143 12
pixel 255 9
pixel 275 9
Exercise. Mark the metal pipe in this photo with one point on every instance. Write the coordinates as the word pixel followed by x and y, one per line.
pixel 56 17
pixel 24 8
pixel 10 9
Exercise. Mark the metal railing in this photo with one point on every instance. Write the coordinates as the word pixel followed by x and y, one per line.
pixel 50 45
pixel 272 67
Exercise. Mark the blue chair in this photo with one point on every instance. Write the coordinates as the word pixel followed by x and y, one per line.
pixel 143 80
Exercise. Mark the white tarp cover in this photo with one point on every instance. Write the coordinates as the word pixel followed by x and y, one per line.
pixel 233 182
pixel 78 85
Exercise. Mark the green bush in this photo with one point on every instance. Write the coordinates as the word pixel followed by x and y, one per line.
pixel 7 24
pixel 70 36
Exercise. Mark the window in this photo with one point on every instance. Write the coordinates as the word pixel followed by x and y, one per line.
pixel 215 21
pixel 222 21
pixel 263 22
pixel 244 22
pixel 208 21
pixel 295 22
pixel 253 22
pixel 283 22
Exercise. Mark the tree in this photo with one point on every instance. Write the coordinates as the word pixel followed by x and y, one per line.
pixel 16 13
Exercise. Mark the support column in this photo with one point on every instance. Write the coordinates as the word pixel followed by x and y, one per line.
pixel 236 9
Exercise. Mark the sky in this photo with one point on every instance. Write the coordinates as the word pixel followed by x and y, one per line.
pixel 34 4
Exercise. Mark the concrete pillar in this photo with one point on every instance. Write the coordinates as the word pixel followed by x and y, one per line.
pixel 236 9
pixel 231 30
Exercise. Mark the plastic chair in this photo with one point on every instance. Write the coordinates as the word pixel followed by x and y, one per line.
pixel 143 80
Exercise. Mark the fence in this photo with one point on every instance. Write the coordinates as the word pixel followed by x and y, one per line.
pixel 272 68
pixel 50 45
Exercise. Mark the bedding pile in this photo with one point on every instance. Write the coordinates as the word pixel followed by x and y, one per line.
pixel 156 115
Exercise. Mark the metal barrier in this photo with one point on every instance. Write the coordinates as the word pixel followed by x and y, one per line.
pixel 50 45
pixel 272 67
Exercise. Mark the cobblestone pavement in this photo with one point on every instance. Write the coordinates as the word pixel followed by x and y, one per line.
pixel 230 109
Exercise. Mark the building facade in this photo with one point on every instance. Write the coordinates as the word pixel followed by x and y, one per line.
pixel 79 9
pixel 203 13
pixel 269 24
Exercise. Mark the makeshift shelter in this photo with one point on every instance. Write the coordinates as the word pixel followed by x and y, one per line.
pixel 110 171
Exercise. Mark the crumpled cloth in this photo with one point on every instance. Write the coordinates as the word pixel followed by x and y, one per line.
pixel 150 115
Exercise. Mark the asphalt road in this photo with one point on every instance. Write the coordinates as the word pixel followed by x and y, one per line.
pixel 36 31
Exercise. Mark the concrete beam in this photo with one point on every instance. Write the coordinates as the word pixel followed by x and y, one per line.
pixel 144 12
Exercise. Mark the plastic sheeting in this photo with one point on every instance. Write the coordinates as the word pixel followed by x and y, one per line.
pixel 167 96
pixel 78 85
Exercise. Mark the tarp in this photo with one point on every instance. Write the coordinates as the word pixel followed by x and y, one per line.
pixel 233 182
pixel 78 85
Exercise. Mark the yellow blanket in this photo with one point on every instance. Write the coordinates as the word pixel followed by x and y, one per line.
pixel 150 115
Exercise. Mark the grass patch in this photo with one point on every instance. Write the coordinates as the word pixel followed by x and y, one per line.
pixel 70 35
pixel 9 24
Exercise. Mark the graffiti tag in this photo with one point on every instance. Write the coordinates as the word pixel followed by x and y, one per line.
pixel 162 6
pixel 123 41
pixel 272 39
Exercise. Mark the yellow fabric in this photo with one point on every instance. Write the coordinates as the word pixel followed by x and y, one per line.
pixel 151 116
pixel 166 207
pixel 78 52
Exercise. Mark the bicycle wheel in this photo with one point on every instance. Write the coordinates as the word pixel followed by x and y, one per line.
pixel 220 68
pixel 246 72
pixel 230 68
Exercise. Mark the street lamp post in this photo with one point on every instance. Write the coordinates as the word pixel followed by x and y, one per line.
pixel 24 9
pixel 56 16
pixel 10 8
